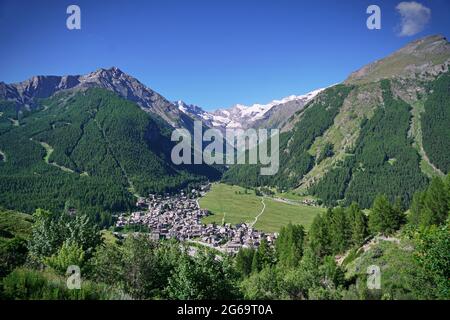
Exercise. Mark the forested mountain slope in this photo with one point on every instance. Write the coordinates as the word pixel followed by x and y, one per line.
pixel 383 161
pixel 89 150
pixel 436 123
pixel 295 160
pixel 26 94
pixel 384 131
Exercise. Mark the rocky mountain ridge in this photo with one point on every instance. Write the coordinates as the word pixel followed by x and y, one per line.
pixel 270 115
pixel 26 93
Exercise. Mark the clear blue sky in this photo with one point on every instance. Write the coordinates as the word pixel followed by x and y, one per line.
pixel 214 53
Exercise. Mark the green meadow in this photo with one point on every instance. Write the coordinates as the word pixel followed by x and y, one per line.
pixel 234 204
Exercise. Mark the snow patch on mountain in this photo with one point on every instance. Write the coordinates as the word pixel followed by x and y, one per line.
pixel 240 116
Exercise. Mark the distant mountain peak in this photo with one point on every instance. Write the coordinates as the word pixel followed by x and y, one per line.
pixel 424 58
pixel 241 116
pixel 113 79
pixel 112 72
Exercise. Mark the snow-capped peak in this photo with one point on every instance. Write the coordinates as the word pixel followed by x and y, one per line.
pixel 257 111
pixel 240 116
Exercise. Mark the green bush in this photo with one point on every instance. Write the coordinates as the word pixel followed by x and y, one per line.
pixel 69 254
pixel 26 284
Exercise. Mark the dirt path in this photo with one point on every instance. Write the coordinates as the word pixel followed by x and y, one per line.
pixel 425 157
pixel 260 214
pixel 49 150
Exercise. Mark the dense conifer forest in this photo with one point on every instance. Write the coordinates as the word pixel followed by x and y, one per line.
pixel 295 161
pixel 435 123
pixel 383 152
pixel 91 151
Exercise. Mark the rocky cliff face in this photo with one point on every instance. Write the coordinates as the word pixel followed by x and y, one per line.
pixel 178 114
pixel 26 93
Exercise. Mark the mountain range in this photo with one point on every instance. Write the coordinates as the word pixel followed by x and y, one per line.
pixel 93 141
pixel 384 130
pixel 271 115
pixel 26 94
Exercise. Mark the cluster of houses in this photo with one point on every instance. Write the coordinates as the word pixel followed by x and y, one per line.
pixel 310 202
pixel 180 217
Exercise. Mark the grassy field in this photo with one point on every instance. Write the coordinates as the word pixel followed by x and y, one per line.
pixel 231 204
pixel 278 214
pixel 49 150
pixel 14 224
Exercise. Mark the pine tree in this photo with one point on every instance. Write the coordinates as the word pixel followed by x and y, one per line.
pixel 256 263
pixel 417 208
pixel 358 221
pixel 436 204
pixel 340 231
pixel 244 260
pixel 319 234
pixel 289 245
pixel 384 217
pixel 263 256
pixel 398 216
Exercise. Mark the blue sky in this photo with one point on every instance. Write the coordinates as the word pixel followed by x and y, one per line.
pixel 213 53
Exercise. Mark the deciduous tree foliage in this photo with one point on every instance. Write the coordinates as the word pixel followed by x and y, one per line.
pixel 432 254
pixel 70 254
pixel 51 230
pixel 202 277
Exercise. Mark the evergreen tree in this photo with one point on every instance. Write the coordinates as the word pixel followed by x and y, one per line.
pixel 289 245
pixel 417 208
pixel 447 185
pixel 432 206
pixel 358 222
pixel 244 260
pixel 326 152
pixel 436 203
pixel 263 256
pixel 319 234
pixel 384 217
pixel 340 231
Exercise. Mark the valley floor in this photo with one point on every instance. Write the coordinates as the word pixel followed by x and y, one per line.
pixel 233 204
